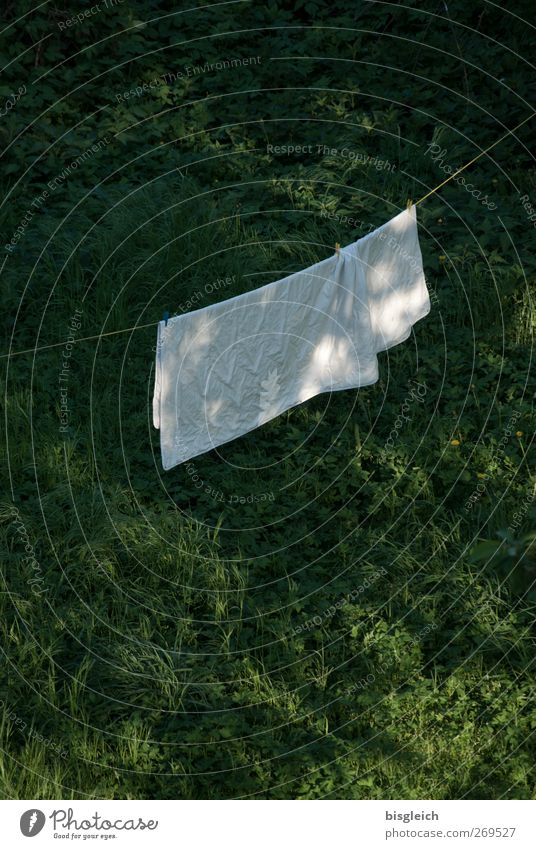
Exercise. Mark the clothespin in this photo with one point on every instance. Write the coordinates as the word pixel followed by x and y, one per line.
pixel 409 204
pixel 165 318
pixel 337 248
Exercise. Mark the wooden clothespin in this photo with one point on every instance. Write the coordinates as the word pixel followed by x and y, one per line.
pixel 409 204
pixel 165 318
pixel 337 248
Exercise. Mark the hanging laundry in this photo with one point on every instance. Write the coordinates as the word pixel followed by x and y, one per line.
pixel 229 368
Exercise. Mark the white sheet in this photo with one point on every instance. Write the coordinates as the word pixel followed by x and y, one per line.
pixel 226 369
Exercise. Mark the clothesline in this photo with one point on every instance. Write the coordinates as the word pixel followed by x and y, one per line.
pixel 155 323
pixel 459 171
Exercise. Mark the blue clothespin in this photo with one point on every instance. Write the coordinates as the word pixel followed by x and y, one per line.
pixel 165 319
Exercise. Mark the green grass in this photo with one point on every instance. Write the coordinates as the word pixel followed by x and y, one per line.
pixel 361 632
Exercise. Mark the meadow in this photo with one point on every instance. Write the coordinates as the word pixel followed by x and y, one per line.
pixel 340 604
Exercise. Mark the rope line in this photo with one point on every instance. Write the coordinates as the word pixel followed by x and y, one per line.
pixel 82 339
pixel 482 152
pixel 154 323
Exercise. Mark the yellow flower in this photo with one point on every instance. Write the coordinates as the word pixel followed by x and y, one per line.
pixel 519 433
pixel 454 441
pixel 442 257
